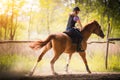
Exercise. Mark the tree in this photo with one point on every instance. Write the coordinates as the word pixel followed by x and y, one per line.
pixel 9 19
pixel 102 10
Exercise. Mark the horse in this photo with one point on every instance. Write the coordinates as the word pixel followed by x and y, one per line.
pixel 62 43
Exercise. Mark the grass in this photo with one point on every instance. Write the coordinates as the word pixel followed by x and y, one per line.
pixel 14 62
pixel 21 63
pixel 114 62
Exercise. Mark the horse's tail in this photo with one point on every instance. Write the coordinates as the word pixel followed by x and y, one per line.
pixel 39 44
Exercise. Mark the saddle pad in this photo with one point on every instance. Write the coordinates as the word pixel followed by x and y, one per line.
pixel 73 38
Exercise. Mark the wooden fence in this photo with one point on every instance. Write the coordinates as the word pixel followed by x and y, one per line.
pixel 107 48
pixel 108 41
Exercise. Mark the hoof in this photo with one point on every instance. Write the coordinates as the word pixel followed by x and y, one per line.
pixel 89 72
pixel 54 73
pixel 31 73
pixel 66 71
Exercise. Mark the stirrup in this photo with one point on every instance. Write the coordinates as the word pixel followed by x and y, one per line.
pixel 79 49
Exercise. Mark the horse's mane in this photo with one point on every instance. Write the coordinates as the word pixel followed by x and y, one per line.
pixel 87 26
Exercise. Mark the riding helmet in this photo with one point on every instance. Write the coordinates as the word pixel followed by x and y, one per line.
pixel 76 9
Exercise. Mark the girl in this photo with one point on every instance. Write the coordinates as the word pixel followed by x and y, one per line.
pixel 74 32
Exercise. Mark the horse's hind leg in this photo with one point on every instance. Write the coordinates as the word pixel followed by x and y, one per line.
pixel 45 49
pixel 56 56
pixel 83 55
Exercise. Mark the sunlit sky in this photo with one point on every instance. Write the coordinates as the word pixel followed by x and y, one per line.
pixel 29 4
pixel 34 4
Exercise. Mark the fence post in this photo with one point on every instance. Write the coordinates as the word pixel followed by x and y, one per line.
pixel 107 49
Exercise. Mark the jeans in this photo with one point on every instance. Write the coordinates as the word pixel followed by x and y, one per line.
pixel 75 33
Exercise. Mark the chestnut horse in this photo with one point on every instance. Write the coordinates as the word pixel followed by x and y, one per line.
pixel 62 43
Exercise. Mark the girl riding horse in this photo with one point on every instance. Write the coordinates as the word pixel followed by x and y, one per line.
pixel 62 43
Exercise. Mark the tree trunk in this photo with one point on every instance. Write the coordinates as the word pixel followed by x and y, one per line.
pixel 12 17
pixel 48 24
pixel 29 27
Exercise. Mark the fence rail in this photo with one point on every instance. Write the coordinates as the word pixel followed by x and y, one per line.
pixel 114 39
pixel 10 41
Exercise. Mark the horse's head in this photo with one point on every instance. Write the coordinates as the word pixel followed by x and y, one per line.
pixel 97 29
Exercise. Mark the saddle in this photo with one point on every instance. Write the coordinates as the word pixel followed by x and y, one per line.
pixel 76 39
pixel 72 36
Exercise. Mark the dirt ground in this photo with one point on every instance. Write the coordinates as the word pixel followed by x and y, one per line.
pixel 70 76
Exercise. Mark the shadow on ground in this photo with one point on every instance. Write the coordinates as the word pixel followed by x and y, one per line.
pixel 74 76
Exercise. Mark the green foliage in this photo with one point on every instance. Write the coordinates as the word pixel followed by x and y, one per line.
pixel 50 16
pixel 100 10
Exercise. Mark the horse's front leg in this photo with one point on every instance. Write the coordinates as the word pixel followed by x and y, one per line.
pixel 83 55
pixel 68 61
